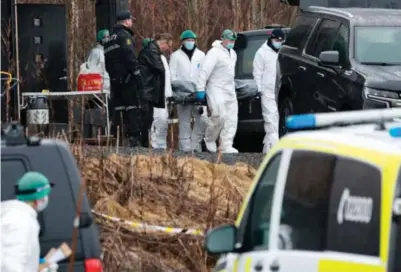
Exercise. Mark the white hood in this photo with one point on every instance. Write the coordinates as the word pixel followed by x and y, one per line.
pixel 217 43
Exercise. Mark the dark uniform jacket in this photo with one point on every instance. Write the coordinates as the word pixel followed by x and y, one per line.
pixel 153 74
pixel 120 55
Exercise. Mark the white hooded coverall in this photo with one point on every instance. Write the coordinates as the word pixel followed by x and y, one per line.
pixel 96 64
pixel 159 129
pixel 20 249
pixel 264 73
pixel 217 78
pixel 182 68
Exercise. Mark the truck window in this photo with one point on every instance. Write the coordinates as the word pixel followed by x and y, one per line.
pixel 11 171
pixel 306 200
pixel 299 34
pixel 246 55
pixel 341 44
pixel 323 38
pixel 257 226
pixel 354 215
pixel 394 264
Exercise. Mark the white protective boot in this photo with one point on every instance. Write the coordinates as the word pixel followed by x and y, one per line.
pixel 230 150
pixel 211 146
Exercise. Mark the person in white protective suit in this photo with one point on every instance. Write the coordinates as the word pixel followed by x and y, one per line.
pixel 264 73
pixel 96 61
pixel 217 78
pixel 20 249
pixel 159 128
pixel 185 64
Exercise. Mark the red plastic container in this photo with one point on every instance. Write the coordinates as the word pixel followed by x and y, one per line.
pixel 90 82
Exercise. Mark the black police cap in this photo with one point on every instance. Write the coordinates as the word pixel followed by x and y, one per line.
pixel 124 15
pixel 277 33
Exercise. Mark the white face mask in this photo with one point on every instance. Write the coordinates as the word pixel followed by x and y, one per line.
pixel 42 204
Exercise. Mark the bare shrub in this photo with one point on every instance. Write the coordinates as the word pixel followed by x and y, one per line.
pixel 165 191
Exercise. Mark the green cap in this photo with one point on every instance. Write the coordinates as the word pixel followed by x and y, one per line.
pixel 146 41
pixel 228 34
pixel 33 186
pixel 102 34
pixel 188 34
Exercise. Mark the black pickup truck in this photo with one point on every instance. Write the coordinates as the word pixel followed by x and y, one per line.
pixel 53 159
pixel 250 130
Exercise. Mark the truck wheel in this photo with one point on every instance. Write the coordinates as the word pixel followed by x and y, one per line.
pixel 285 110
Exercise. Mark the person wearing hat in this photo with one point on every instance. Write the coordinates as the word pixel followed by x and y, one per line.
pixel 96 61
pixel 264 73
pixel 19 225
pixel 185 65
pixel 216 77
pixel 125 79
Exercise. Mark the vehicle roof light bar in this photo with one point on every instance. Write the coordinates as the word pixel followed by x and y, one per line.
pixel 311 121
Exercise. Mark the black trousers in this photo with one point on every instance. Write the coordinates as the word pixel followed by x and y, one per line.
pixel 127 115
pixel 147 120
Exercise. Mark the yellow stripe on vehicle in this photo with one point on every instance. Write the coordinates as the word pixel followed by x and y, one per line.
pixel 342 266
pixel 248 264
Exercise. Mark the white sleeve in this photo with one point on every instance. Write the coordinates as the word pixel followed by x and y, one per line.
pixel 17 249
pixel 173 66
pixel 258 69
pixel 207 67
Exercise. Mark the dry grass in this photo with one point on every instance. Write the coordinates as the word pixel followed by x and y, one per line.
pixel 166 191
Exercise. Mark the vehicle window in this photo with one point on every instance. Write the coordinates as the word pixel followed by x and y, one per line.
pixel 341 44
pixel 394 261
pixel 299 34
pixel 248 54
pixel 354 221
pixel 261 204
pixel 306 198
pixel 11 171
pixel 323 39
pixel 378 45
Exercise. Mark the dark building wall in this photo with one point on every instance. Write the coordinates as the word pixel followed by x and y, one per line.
pixel 106 11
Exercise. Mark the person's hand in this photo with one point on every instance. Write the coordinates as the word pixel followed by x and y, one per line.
pixel 200 95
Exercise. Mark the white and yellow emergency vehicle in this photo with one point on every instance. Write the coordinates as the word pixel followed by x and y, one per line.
pixel 327 198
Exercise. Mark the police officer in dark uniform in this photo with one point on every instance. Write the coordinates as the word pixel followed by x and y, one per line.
pixel 125 79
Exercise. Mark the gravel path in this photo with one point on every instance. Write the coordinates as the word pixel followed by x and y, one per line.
pixel 253 159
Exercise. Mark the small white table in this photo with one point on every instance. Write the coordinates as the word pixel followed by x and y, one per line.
pixel 101 102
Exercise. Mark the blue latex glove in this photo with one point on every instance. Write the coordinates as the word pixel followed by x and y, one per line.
pixel 200 95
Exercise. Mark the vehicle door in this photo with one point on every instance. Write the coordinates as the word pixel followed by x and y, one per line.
pixel 394 261
pixel 257 227
pixel 331 210
pixel 248 108
pixel 322 40
pixel 333 83
pixel 292 75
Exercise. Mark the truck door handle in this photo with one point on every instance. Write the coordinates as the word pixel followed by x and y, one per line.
pixel 320 74
pixel 301 68
pixel 258 267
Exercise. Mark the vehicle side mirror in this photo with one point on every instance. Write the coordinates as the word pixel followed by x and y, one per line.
pixel 329 58
pixel 221 240
pixel 85 220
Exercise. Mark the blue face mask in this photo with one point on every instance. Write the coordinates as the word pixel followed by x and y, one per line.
pixel 277 45
pixel 189 45
pixel 230 45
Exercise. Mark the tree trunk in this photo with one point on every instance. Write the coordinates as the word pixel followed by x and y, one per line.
pixel 262 20
pixel 255 17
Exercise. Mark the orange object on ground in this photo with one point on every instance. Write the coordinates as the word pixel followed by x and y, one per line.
pixel 90 82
